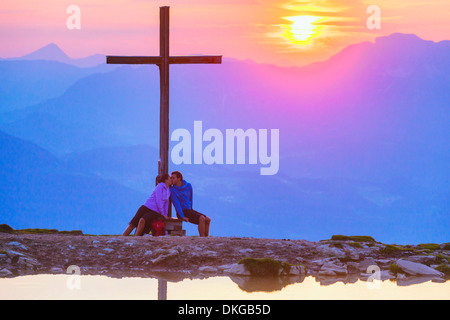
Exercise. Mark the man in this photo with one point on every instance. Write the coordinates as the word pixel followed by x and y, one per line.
pixel 181 195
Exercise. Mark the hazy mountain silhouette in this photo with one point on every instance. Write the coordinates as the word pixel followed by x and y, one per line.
pixel 49 52
pixel 26 83
pixel 52 52
pixel 58 137
pixel 36 189
pixel 363 138
pixel 132 166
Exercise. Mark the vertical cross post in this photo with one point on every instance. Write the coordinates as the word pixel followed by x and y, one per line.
pixel 164 90
pixel 163 61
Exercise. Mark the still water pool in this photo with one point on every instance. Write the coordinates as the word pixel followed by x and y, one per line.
pixel 102 287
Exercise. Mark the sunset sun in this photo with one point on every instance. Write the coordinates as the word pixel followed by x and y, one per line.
pixel 302 30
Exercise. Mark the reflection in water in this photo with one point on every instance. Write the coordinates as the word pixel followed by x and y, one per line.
pixel 225 288
pixel 270 284
pixel 162 289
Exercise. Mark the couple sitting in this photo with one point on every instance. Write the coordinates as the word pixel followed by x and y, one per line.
pixel 157 206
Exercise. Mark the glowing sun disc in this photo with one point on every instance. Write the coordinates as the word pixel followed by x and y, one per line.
pixel 302 29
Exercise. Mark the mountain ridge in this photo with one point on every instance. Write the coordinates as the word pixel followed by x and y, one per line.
pixel 52 52
pixel 363 139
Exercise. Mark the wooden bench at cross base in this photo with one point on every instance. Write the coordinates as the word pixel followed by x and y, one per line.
pixel 174 227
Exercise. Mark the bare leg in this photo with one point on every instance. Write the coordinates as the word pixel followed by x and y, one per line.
pixel 129 230
pixel 201 226
pixel 140 228
pixel 207 223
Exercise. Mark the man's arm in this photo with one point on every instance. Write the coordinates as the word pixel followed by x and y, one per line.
pixel 177 205
pixel 192 196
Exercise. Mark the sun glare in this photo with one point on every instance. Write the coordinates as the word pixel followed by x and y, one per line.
pixel 302 30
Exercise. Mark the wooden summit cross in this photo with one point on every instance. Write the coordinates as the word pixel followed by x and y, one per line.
pixel 163 61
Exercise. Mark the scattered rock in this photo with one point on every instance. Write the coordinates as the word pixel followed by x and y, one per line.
pixel 412 280
pixel 320 262
pixel 114 240
pixel 327 250
pixel 386 275
pixel 28 262
pixel 56 270
pixel 382 276
pixel 204 253
pixel 208 269
pixel 224 267
pixel 422 259
pixel 168 254
pixel 275 243
pixel 367 262
pixel 17 245
pixel 414 268
pixel 12 254
pixel 333 269
pixel 5 273
pixel 384 262
pixel 297 270
pixel 351 253
pixel 180 249
pixel 327 273
pixel 159 250
pixel 238 270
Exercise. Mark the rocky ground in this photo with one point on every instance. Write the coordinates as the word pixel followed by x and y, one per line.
pixel 341 259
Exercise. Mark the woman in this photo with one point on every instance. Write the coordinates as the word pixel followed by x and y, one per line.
pixel 155 208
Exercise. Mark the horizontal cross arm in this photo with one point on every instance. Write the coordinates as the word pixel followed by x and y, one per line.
pixel 195 60
pixel 133 60
pixel 160 60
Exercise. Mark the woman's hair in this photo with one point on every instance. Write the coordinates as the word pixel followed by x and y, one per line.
pixel 162 178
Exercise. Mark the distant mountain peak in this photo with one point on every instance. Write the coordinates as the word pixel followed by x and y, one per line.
pixel 48 52
pixel 400 39
pixel 52 52
pixel 51 45
pixel 404 36
pixel 384 48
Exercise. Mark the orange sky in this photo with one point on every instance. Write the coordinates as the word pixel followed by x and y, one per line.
pixel 245 29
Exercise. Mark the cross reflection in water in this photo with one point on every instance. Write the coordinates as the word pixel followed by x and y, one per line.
pixel 162 289
pixel 246 284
